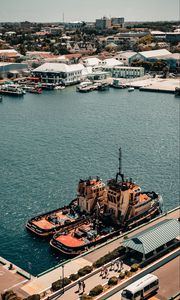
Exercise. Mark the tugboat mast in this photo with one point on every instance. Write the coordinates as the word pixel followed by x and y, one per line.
pixel 120 167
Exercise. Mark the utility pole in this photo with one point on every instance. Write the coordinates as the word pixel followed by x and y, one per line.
pixel 63 278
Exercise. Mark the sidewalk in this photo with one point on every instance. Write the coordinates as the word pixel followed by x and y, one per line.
pixel 37 285
pixel 90 283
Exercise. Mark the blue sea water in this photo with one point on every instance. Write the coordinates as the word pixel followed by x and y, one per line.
pixel 49 141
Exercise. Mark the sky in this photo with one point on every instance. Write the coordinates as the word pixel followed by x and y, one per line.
pixel 88 10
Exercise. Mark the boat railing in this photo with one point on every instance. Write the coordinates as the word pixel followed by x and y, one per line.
pixel 83 220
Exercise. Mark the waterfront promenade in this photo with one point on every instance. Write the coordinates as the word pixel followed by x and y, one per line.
pixel 43 283
pixel 150 84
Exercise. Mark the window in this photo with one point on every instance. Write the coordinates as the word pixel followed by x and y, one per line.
pixel 146 288
pixel 137 294
pixel 152 285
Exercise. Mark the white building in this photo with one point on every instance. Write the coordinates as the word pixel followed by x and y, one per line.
pixel 91 62
pixel 111 62
pixel 151 55
pixel 125 57
pixel 74 25
pixel 126 72
pixel 59 73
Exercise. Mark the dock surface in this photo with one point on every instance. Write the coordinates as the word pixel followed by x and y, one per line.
pixel 37 285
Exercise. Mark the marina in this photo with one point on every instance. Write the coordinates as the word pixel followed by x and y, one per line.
pixel 45 179
pixel 89 151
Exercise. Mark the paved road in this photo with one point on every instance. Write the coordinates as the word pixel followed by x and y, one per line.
pixel 169 278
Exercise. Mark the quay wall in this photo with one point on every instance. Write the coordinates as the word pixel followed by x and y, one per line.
pixel 110 241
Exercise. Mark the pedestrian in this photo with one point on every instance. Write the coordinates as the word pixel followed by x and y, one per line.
pixel 79 286
pixel 83 286
pixel 121 264
pixel 111 266
pixel 117 265
pixel 105 272
pixel 102 271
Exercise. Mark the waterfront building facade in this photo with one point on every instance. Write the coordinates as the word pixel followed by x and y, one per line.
pixel 59 73
pixel 12 70
pixel 126 72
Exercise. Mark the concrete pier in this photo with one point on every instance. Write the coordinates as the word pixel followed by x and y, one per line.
pixel 44 282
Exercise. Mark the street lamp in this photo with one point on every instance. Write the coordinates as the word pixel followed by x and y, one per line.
pixel 63 278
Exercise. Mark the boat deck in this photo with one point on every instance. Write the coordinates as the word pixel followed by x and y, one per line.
pixel 57 218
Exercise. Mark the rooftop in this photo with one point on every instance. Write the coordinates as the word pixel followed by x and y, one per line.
pixel 154 237
pixel 59 67
pixel 155 53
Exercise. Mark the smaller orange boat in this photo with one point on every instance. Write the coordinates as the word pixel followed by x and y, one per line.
pixel 50 222
pixel 77 239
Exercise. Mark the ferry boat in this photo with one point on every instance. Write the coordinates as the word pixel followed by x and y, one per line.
pixel 117 206
pixel 86 86
pixel 48 223
pixel 12 90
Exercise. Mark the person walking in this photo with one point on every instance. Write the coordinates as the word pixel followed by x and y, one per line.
pixel 105 272
pixel 83 286
pixel 121 264
pixel 79 286
pixel 117 265
pixel 112 266
pixel 102 271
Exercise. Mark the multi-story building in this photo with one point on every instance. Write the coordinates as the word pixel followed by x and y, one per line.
pixel 125 72
pixel 117 22
pixel 74 25
pixel 103 23
pixel 59 73
pixel 125 57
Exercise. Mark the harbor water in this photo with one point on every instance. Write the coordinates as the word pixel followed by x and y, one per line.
pixel 49 141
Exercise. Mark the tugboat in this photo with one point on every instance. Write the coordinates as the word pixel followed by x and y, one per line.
pixel 50 222
pixel 116 207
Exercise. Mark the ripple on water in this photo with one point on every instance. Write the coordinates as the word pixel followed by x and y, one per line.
pixel 48 142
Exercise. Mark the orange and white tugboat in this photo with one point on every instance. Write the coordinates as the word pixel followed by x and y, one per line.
pixel 50 222
pixel 116 207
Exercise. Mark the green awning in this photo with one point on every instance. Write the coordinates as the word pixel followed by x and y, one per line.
pixel 154 237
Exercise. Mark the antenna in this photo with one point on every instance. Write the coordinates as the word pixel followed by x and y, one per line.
pixel 120 167
pixel 120 163
pixel 63 18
